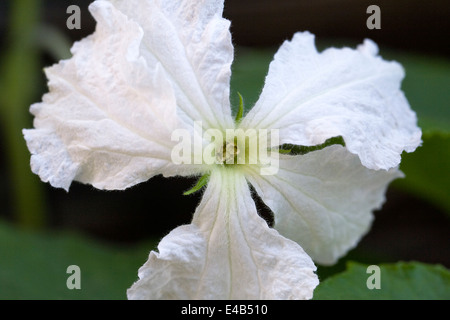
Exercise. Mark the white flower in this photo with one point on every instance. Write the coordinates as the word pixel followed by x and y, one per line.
pixel 153 67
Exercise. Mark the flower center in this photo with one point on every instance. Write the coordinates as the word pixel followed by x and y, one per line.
pixel 228 153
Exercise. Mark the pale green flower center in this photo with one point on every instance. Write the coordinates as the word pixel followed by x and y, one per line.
pixel 228 154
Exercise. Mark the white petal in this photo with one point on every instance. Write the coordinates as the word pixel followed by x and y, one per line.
pixel 228 252
pixel 311 96
pixel 192 42
pixel 108 117
pixel 323 200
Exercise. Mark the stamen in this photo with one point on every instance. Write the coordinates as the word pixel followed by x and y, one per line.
pixel 228 153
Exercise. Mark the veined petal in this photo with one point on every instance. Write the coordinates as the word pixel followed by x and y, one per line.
pixel 228 252
pixel 108 117
pixel 311 97
pixel 192 42
pixel 323 200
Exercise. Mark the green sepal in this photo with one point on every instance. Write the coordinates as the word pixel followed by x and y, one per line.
pixel 295 150
pixel 284 151
pixel 240 112
pixel 301 150
pixel 200 184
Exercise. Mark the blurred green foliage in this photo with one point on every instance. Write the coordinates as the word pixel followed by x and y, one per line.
pixel 34 265
pixel 399 281
pixel 20 70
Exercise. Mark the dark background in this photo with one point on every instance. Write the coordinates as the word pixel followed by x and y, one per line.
pixel 406 228
pixel 415 25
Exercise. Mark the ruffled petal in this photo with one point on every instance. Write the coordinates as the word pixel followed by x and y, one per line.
pixel 109 115
pixel 311 97
pixel 192 42
pixel 323 200
pixel 228 252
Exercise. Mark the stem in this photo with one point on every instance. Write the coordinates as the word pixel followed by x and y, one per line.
pixel 20 69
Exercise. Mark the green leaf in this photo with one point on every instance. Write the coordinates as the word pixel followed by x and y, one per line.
pixel 399 281
pixel 426 86
pixel 34 266
pixel 427 170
